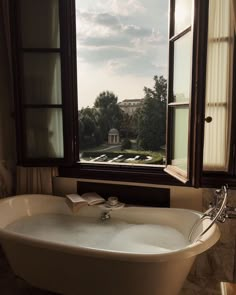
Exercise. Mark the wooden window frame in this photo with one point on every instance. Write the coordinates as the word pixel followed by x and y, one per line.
pixel 156 175
pixel 69 166
pixel 69 94
pixel 211 178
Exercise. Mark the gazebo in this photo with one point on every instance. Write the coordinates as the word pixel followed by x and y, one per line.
pixel 113 136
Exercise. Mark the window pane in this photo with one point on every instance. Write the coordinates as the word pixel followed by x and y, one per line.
pixel 42 78
pixel 219 86
pixel 183 15
pixel 44 133
pixel 182 68
pixel 40 23
pixel 122 62
pixel 180 137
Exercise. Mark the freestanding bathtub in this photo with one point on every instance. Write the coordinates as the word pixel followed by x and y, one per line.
pixel 66 267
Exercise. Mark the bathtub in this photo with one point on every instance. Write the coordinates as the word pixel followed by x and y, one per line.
pixel 71 269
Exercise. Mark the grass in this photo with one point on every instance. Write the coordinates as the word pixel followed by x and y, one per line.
pixel 157 157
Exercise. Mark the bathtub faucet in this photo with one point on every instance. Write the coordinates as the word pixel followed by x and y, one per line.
pixel 218 211
pixel 105 216
pixel 111 204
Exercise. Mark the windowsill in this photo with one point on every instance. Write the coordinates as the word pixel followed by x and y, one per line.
pixel 126 173
pixel 117 164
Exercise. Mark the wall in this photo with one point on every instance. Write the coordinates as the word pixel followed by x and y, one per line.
pixel 181 197
pixel 7 131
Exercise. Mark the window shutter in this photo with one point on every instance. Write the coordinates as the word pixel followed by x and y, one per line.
pixel 187 62
pixel 44 82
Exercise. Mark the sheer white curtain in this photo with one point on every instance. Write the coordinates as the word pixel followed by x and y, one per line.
pixel 219 85
pixel 35 180
pixel 42 78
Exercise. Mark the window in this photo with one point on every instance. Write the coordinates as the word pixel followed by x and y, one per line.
pixel 44 101
pixel 218 106
pixel 122 54
pixel 46 93
pixel 181 50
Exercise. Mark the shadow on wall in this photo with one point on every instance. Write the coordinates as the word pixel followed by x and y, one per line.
pixel 7 129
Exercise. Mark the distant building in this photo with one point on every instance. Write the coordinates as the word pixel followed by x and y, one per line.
pixel 129 106
pixel 113 136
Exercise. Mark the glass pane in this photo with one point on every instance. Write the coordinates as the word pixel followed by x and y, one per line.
pixel 44 133
pixel 182 68
pixel 219 83
pixel 180 138
pixel 183 15
pixel 40 23
pixel 122 61
pixel 42 78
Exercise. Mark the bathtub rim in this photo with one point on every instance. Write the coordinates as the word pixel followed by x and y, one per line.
pixel 191 250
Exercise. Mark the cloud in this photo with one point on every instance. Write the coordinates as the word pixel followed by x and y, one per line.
pixel 142 66
pixel 117 35
pixel 105 54
pixel 103 29
pixel 114 66
pixel 105 19
pixel 123 61
pixel 122 7
pixel 134 30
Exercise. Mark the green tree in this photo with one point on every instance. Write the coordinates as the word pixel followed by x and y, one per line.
pixel 128 126
pixel 109 114
pixel 151 117
pixel 90 133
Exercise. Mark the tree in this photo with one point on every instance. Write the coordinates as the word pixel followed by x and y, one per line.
pixel 128 127
pixel 151 117
pixel 126 144
pixel 90 133
pixel 109 115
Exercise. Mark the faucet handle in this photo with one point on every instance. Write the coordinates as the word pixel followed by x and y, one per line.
pixel 112 201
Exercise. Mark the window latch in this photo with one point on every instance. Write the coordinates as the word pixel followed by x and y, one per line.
pixel 208 119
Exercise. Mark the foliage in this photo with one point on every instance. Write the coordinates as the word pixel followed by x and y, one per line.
pixel 156 157
pixel 148 123
pixel 126 144
pixel 128 126
pixel 109 112
pixel 151 117
pixel 90 133
pixel 96 122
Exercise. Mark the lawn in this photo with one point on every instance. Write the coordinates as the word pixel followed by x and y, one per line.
pixel 115 154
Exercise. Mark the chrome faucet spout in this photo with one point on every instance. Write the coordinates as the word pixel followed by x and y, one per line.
pixel 105 216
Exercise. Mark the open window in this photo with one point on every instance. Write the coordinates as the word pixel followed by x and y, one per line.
pixel 44 84
pixel 47 112
pixel 187 62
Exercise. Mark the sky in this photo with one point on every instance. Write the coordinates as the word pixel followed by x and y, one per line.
pixel 121 45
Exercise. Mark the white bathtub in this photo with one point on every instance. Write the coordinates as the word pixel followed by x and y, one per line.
pixel 75 270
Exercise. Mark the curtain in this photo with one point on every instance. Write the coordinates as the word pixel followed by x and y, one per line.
pixel 219 85
pixel 233 3
pixel 35 180
pixel 24 180
pixel 7 131
pixel 42 78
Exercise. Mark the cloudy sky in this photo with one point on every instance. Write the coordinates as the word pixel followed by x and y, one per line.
pixel 121 45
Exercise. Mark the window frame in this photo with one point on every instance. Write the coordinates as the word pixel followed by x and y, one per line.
pixel 210 178
pixel 68 86
pixel 156 174
pixel 69 166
